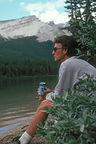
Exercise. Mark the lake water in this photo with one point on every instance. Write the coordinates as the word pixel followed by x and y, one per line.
pixel 18 98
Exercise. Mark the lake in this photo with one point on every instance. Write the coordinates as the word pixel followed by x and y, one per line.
pixel 18 97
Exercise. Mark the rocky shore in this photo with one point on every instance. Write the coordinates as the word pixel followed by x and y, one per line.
pixel 17 132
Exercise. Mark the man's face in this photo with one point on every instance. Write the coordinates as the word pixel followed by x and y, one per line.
pixel 58 52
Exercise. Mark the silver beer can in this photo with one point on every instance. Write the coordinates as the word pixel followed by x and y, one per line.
pixel 42 87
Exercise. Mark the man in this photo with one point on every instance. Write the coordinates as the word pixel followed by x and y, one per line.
pixel 71 69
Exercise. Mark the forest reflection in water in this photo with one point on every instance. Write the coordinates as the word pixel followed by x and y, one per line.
pixel 18 97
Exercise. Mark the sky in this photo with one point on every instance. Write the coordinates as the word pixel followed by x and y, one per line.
pixel 45 10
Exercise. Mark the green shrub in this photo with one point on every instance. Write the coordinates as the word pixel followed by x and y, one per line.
pixel 73 117
pixel 82 22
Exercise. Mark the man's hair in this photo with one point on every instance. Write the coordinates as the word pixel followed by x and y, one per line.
pixel 69 43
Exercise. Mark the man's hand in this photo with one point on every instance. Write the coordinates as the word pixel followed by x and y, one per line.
pixel 40 97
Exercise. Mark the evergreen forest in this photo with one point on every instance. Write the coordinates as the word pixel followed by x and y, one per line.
pixel 26 57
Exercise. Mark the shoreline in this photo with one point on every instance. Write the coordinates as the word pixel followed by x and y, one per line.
pixel 17 131
pixel 12 133
pixel 5 129
pixel 15 123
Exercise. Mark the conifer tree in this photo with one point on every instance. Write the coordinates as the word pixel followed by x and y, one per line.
pixel 83 25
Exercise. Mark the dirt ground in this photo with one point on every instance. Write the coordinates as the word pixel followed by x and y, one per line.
pixel 10 135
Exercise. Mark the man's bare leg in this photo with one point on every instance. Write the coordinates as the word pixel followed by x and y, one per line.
pixel 39 116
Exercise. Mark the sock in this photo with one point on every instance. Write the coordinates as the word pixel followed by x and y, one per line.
pixel 25 138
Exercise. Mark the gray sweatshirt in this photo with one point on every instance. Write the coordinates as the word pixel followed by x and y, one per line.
pixel 69 72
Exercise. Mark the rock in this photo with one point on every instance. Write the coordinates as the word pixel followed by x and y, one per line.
pixel 12 136
pixel 31 26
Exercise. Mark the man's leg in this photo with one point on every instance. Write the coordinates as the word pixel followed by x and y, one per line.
pixel 39 116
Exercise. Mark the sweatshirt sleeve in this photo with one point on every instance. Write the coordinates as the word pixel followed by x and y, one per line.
pixel 65 81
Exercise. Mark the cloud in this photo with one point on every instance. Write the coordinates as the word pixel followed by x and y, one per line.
pixel 48 11
pixel 55 16
pixel 22 4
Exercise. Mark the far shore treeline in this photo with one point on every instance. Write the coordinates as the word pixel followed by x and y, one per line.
pixel 26 57
pixel 28 68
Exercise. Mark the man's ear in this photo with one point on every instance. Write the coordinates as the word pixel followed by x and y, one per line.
pixel 65 51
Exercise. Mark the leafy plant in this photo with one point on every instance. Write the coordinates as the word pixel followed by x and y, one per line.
pixel 83 25
pixel 73 117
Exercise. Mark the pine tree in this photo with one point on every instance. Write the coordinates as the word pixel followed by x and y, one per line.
pixel 83 25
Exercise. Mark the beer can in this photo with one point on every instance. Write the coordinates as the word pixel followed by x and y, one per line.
pixel 42 87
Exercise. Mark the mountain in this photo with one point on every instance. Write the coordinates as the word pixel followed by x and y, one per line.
pixel 28 38
pixel 31 26
pixel 26 46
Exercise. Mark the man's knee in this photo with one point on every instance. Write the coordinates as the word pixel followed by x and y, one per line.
pixel 45 103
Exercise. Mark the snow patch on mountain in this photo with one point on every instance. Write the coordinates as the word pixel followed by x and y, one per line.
pixel 31 26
